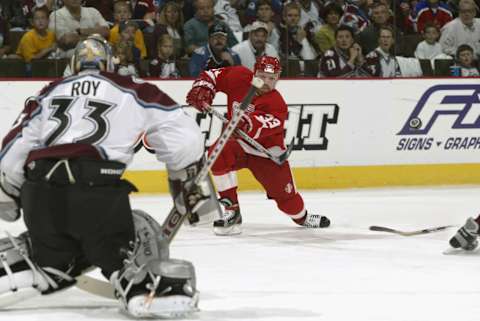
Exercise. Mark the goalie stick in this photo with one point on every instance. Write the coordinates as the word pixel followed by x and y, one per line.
pixel 409 233
pixel 174 220
pixel 279 159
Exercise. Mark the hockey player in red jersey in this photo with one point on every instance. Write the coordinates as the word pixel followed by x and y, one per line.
pixel 263 121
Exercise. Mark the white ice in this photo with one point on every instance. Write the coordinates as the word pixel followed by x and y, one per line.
pixel 277 271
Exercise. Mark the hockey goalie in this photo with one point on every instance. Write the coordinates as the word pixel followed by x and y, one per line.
pixel 61 164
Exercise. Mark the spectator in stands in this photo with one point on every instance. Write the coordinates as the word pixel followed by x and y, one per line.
pixel 250 10
pixel 127 55
pixel 4 38
pixel 265 14
pixel 295 41
pixel 355 15
pixel 122 13
pixel 404 10
pixel 368 38
pixel 224 11
pixel 255 46
pixel 215 54
pixel 143 12
pixel 466 61
pixel 52 5
pixel 163 66
pixel 105 7
pixel 170 21
pixel 196 29
pixel 325 37
pixel 73 23
pixel 463 30
pixel 38 42
pixel 381 62
pixel 12 12
pixel 431 11
pixel 310 15
pixel 345 59
pixel 430 47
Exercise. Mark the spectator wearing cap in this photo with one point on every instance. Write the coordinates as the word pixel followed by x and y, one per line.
pixel 196 29
pixel 255 46
pixel 266 14
pixel 325 37
pixel 73 23
pixel 122 14
pixel 463 30
pixel 215 54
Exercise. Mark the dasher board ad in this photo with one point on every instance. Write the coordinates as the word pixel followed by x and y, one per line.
pixel 341 122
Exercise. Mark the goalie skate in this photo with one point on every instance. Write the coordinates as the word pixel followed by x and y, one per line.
pixel 231 221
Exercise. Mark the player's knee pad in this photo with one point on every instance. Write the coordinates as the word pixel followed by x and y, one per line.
pixel 179 181
pixel 151 284
pixel 21 277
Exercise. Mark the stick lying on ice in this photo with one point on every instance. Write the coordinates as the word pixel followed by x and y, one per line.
pixel 409 233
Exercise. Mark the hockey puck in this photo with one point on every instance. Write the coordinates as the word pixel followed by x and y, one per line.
pixel 415 123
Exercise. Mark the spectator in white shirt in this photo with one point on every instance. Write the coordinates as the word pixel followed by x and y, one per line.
pixel 73 23
pixel 255 46
pixel 463 30
pixel 430 47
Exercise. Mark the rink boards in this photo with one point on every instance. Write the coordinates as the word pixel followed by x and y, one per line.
pixel 346 133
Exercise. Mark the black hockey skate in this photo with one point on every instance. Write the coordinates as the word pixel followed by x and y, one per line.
pixel 466 236
pixel 313 221
pixel 231 222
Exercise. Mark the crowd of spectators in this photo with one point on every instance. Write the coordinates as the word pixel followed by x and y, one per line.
pixel 316 38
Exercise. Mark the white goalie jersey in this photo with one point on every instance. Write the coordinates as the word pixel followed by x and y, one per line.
pixel 106 111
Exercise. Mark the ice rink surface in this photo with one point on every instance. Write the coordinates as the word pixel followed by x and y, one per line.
pixel 277 271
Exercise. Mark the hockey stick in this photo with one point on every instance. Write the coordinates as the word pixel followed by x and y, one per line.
pixel 174 220
pixel 409 233
pixel 279 159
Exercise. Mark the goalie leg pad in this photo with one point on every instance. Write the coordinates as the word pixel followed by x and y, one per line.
pixel 21 277
pixel 174 296
pixel 150 284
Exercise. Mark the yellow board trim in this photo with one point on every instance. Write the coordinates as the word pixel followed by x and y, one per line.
pixel 340 177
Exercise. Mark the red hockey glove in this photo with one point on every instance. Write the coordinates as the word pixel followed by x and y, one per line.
pixel 245 124
pixel 201 95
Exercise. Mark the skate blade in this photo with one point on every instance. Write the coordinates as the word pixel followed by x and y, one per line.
pixel 231 230
pixel 460 251
pixel 174 306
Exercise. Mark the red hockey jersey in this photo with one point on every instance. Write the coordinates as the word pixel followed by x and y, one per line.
pixel 267 112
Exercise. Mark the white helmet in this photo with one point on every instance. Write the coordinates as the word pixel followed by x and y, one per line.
pixel 92 53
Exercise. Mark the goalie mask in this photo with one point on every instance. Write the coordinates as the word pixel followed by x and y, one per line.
pixel 93 53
